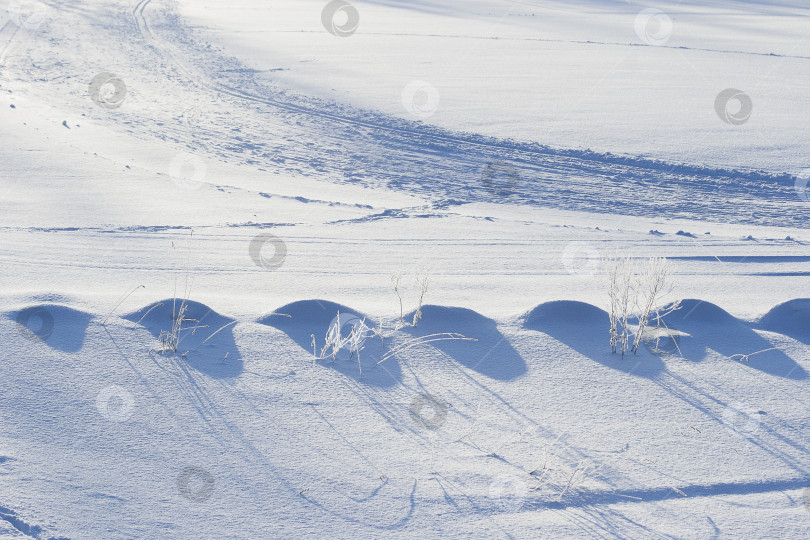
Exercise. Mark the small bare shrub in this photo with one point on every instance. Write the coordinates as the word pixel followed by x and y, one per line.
pixel 642 293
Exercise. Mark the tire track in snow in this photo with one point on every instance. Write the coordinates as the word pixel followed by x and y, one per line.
pixel 567 41
pixel 378 150
pixel 7 34
pixel 10 516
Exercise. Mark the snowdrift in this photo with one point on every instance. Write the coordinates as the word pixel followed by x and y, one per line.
pixel 585 329
pixel 791 318
pixel 60 327
pixel 710 328
pixel 205 337
pixel 307 322
pixel 490 354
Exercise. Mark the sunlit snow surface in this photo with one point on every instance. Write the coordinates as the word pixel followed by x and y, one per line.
pixel 253 171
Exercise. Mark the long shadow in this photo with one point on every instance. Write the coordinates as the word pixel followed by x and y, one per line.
pixel 585 328
pixel 710 327
pixel 205 339
pixel 702 400
pixel 491 355
pixel 585 498
pixel 57 326
pixel 791 318
pixel 306 320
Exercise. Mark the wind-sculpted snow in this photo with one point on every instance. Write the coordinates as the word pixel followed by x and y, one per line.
pixel 270 429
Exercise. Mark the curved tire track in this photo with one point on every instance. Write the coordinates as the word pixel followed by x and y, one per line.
pixel 377 150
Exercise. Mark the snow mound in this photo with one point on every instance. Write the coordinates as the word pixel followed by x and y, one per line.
pixel 564 312
pixel 491 354
pixel 791 318
pixel 302 319
pixel 305 319
pixel 711 328
pixel 163 313
pixel 58 326
pixel 695 311
pixel 308 312
pixel 205 338
pixel 585 329
pixel 438 317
